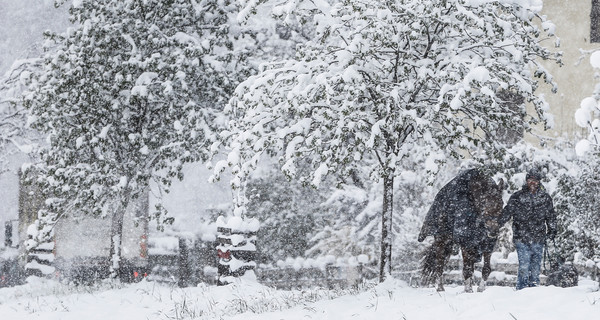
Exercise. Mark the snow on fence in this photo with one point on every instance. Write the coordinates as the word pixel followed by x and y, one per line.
pixel 329 272
pixel 504 270
pixel 236 248
pixel 185 260
pixel 182 260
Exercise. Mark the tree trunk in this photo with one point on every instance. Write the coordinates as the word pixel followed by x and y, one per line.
pixel 116 235
pixel 385 263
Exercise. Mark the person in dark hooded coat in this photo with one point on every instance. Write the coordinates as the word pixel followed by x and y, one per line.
pixel 533 221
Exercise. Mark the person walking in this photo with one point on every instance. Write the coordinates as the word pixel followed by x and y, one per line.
pixel 533 221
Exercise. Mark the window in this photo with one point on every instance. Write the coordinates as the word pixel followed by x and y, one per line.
pixel 595 22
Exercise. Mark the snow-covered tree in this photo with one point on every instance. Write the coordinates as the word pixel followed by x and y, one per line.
pixel 15 134
pixel 349 218
pixel 129 97
pixel 380 76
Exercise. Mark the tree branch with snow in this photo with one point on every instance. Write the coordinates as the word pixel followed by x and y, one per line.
pixel 380 77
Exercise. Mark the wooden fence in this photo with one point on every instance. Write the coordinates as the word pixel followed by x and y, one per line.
pixel 330 276
pixel 504 272
pixel 186 263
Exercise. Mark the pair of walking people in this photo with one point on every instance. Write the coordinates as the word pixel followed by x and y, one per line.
pixel 533 221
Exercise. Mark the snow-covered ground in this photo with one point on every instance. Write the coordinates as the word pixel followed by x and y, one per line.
pixel 43 299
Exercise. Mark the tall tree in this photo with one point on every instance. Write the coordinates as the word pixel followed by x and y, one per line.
pixel 382 75
pixel 129 97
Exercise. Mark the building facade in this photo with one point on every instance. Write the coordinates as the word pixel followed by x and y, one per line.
pixel 578 29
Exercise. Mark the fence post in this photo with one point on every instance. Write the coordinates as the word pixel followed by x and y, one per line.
pixel 8 234
pixel 184 264
pixel 223 254
pixel 236 248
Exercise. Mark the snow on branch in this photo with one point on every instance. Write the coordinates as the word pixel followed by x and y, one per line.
pixel 588 115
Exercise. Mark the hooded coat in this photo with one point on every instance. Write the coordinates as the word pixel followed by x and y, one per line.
pixel 533 215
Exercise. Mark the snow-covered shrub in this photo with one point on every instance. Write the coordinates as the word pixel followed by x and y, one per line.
pixel 579 227
pixel 588 114
pixel 287 214
pixel 577 205
pixel 348 224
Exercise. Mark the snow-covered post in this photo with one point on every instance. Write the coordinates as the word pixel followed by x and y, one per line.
pixel 40 256
pixel 36 222
pixel 236 248
pixel 184 264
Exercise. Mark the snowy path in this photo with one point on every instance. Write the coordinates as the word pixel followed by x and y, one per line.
pixel 391 300
pixel 422 304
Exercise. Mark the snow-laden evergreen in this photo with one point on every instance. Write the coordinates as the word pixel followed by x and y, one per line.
pixel 289 215
pixel 131 94
pixel 380 77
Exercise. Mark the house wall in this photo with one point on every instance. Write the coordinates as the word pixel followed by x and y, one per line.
pixel 575 78
pixel 80 236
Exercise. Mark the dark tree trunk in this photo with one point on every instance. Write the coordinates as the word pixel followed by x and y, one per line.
pixel 385 263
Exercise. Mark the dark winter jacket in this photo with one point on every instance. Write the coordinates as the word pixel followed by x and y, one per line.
pixel 533 215
pixel 453 214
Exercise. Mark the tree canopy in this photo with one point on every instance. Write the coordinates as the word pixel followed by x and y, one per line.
pixel 382 76
pixel 132 93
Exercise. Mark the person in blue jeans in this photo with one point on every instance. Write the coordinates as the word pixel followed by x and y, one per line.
pixel 533 221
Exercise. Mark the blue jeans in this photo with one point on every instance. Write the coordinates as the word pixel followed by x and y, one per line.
pixel 530 263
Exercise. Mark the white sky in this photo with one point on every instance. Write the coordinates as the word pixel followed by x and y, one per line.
pixel 22 23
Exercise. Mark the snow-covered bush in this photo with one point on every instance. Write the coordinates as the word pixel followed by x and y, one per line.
pixel 287 211
pixel 588 115
pixel 580 232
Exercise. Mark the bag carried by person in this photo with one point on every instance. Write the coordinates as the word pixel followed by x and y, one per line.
pixel 561 274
